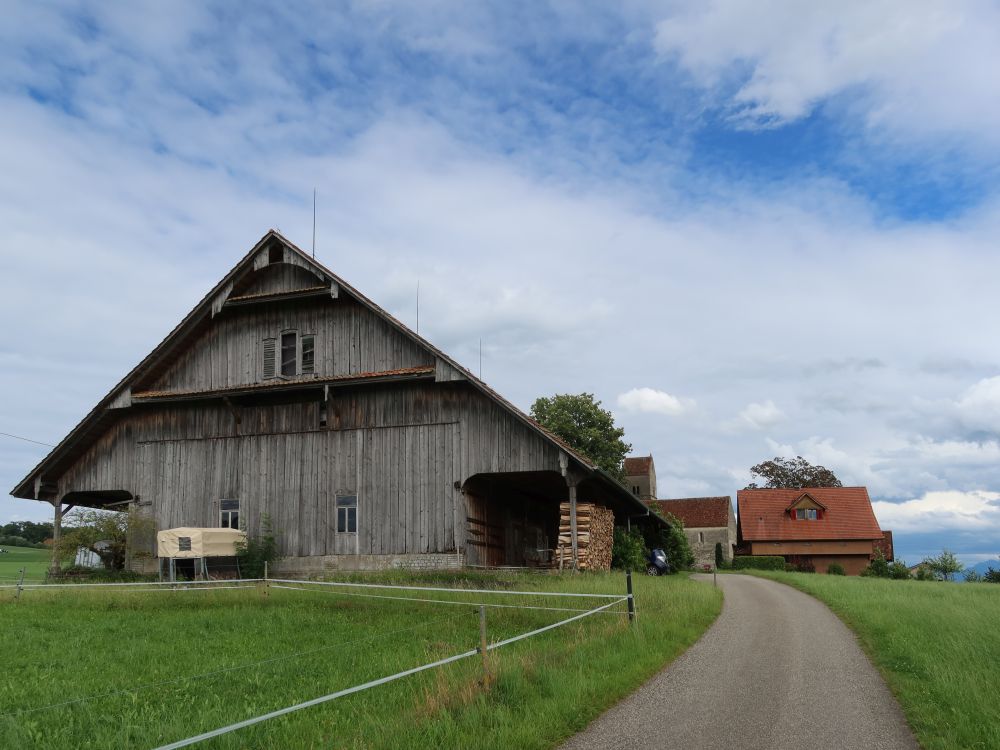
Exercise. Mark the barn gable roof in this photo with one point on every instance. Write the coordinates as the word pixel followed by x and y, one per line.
pixel 231 289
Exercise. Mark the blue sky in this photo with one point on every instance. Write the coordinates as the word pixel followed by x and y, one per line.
pixel 750 229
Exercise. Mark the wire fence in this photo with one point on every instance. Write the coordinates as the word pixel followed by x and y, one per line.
pixel 575 605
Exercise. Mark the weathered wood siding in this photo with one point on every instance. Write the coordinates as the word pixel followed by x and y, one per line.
pixel 400 447
pixel 349 340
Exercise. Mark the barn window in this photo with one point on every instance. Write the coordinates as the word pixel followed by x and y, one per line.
pixel 701 537
pixel 347 514
pixel 184 544
pixel 229 514
pixel 308 358
pixel 289 353
pixel 269 361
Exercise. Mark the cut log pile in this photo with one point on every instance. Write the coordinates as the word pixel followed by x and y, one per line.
pixel 595 532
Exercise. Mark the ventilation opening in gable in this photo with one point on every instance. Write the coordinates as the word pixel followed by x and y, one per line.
pixel 275 254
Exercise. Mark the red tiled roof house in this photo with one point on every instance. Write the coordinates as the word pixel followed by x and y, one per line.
pixel 817 525
pixel 707 521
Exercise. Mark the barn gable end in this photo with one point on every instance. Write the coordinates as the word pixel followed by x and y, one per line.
pixel 288 394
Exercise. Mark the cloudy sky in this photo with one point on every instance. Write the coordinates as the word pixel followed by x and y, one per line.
pixel 751 229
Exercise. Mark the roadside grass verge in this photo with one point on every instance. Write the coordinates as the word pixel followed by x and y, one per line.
pixel 35 562
pixel 73 644
pixel 936 644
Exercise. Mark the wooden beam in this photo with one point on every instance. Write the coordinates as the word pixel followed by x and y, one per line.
pixel 572 524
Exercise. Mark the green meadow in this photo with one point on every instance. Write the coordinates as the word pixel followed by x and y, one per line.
pixel 34 561
pixel 937 645
pixel 138 669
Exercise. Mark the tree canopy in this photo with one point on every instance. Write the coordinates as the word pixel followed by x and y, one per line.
pixel 586 427
pixel 779 473
pixel 108 533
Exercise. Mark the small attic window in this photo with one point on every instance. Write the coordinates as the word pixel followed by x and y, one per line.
pixel 275 254
pixel 806 514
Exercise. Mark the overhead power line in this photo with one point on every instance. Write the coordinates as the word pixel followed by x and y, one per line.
pixel 27 440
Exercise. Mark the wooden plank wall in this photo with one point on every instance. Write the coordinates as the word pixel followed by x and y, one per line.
pixel 349 340
pixel 400 447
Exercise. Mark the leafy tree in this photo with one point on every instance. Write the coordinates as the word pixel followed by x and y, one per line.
pixel 586 427
pixel 108 533
pixel 791 472
pixel 992 575
pixel 945 565
pixel 31 531
pixel 628 551
pixel 971 575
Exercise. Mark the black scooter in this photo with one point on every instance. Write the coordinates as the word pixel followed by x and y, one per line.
pixel 657 565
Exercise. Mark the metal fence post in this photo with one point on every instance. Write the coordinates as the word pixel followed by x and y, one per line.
pixel 631 596
pixel 482 643
pixel 20 586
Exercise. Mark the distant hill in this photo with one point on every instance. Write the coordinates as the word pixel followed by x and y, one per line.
pixel 982 567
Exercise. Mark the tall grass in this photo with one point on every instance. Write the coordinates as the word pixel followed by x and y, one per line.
pixel 936 644
pixel 74 644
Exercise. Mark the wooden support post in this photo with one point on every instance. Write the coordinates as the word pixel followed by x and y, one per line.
pixel 20 586
pixel 56 533
pixel 572 527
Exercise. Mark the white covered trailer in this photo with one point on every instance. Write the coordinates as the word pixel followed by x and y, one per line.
pixel 195 545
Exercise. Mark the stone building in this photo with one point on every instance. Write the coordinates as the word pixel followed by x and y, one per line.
pixel 707 521
pixel 640 477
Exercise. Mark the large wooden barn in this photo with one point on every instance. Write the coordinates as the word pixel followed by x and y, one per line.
pixel 287 392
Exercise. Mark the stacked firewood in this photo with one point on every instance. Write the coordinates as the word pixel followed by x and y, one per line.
pixel 595 531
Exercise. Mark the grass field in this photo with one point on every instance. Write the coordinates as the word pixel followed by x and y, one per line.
pixel 35 562
pixel 76 644
pixel 936 644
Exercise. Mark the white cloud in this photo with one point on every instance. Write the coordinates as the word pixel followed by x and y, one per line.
pixel 973 511
pixel 979 407
pixel 919 66
pixel 652 401
pixel 762 415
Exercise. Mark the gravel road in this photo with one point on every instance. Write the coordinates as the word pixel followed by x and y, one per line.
pixel 777 670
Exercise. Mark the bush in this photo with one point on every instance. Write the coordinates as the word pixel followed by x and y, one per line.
pixel 924 574
pixel 258 549
pixel 878 567
pixel 835 569
pixel 629 550
pixel 759 562
pixel 971 575
pixel 102 575
pixel 991 575
pixel 898 571
pixel 720 560
pixel 672 540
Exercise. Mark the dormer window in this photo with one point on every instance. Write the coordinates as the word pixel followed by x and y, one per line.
pixel 806 514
